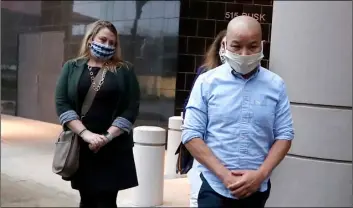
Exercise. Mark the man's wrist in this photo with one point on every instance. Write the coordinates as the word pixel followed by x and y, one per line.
pixel 263 172
pixel 224 174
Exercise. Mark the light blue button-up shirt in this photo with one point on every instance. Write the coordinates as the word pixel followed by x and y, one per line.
pixel 238 119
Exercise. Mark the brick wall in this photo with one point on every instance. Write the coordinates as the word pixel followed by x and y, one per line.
pixel 200 22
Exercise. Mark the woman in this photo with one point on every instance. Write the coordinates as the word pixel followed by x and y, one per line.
pixel 106 157
pixel 214 57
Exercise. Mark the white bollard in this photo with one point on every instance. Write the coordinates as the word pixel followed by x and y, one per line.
pixel 149 153
pixel 174 139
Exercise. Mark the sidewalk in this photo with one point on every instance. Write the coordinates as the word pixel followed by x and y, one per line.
pixel 26 156
pixel 27 193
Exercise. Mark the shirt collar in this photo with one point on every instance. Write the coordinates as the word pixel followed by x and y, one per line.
pixel 238 75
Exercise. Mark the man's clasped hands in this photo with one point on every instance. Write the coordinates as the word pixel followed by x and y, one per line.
pixel 243 183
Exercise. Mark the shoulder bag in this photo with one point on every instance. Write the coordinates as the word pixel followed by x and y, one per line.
pixel 67 148
pixel 185 159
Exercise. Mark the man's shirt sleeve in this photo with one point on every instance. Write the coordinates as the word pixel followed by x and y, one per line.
pixel 195 120
pixel 283 127
pixel 199 72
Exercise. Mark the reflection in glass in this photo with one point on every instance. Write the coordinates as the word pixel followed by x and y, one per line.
pixel 8 89
pixel 123 10
pixel 155 58
pixel 148 33
pixel 124 26
pixel 92 9
pixel 78 29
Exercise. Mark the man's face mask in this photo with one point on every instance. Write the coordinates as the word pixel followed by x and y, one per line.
pixel 244 64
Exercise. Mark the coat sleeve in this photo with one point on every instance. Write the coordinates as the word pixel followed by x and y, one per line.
pixel 128 117
pixel 64 108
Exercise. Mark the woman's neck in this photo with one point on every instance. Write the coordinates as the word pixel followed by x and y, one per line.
pixel 95 62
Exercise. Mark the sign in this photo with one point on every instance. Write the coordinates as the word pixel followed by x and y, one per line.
pixel 258 16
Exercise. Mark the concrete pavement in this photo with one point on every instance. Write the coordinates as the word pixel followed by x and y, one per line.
pixel 28 193
pixel 26 156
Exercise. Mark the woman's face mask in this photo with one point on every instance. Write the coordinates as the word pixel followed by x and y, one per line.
pixel 101 51
pixel 244 64
pixel 222 51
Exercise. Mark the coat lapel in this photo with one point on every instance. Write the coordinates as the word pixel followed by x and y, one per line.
pixel 78 68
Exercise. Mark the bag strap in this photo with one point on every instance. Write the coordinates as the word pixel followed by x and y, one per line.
pixel 91 94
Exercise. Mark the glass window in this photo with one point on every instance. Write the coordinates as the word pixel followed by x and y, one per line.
pixel 78 29
pixel 93 10
pixel 171 9
pixel 123 10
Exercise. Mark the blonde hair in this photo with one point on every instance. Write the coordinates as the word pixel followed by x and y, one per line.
pixel 212 59
pixel 114 62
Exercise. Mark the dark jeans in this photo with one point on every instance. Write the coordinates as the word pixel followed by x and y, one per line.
pixel 209 198
pixel 98 200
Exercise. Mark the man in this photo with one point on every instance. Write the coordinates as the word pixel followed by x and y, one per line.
pixel 238 123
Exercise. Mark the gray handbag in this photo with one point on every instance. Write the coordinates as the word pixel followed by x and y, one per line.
pixel 67 148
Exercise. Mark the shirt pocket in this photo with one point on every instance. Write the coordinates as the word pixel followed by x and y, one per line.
pixel 264 111
pixel 223 119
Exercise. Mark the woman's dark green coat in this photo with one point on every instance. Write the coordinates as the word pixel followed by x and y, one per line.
pixel 127 107
pixel 122 173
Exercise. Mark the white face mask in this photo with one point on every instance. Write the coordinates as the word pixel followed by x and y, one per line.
pixel 244 64
pixel 222 56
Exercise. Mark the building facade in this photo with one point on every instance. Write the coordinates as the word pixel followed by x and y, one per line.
pixel 311 49
pixel 165 40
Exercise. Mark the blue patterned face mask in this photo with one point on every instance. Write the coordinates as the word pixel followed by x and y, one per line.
pixel 101 51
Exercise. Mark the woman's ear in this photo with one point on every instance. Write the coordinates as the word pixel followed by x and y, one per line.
pixel 224 40
pixel 224 44
pixel 89 42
